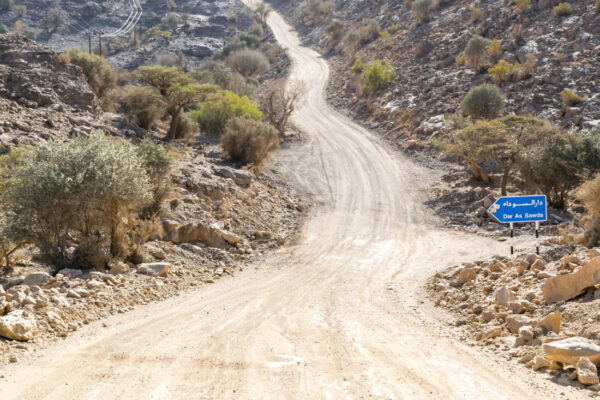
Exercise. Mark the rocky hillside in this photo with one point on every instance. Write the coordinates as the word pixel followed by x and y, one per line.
pixel 215 219
pixel 429 82
pixel 188 29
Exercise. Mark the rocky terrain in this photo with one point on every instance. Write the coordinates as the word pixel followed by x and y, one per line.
pixel 195 31
pixel 539 311
pixel 216 217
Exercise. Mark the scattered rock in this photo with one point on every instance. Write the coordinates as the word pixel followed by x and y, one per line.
pixel 551 322
pixel 587 374
pixel 37 279
pixel 154 269
pixel 568 351
pixel 568 286
pixel 17 327
pixel 504 296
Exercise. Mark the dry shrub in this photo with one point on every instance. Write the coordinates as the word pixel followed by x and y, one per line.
pixel 186 129
pixel 248 62
pixel 280 103
pixel 144 105
pixel 249 141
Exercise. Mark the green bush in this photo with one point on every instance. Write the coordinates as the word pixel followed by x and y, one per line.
pixel 90 9
pixel 570 98
pixel 213 115
pixel 422 9
pixel 171 21
pixel 483 101
pixel 20 10
pixel 157 163
pixel 377 75
pixel 563 9
pixel 98 72
pixel 357 67
pixel 77 193
pixel 361 36
pixel 522 5
pixel 249 141
pixel 54 19
pixel 248 62
pixel 218 73
pixel 319 9
pixel 476 14
pixel 475 49
pixel 158 32
pixel 3 29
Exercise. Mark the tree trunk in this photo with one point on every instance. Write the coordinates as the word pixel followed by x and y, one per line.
pixel 478 173
pixel 505 180
pixel 174 124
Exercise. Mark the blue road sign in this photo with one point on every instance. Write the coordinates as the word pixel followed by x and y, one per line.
pixel 519 209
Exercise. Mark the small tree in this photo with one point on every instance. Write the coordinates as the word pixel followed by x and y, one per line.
pixel 500 141
pixel 262 11
pixel 483 101
pixel 279 103
pixel 249 141
pixel 213 114
pixel 20 10
pixel 377 75
pixel 77 193
pixel 54 19
pixel 475 49
pixel 248 62
pixel 90 9
pixel 177 89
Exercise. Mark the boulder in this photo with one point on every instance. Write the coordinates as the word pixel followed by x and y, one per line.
pixel 465 275
pixel 568 351
pixel 587 374
pixel 568 286
pixel 551 322
pixel 17 327
pixel 212 235
pixel 37 279
pixel 118 268
pixel 240 177
pixel 71 273
pixel 503 296
pixel 492 333
pixel 154 269
pixel 515 322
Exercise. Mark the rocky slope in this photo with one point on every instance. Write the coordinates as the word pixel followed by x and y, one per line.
pixel 200 28
pixel 215 219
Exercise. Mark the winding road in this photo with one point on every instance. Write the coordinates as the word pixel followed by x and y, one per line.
pixel 340 314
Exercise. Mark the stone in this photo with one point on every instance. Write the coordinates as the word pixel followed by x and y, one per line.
pixel 568 286
pixel 587 374
pixel 71 273
pixel 492 333
pixel 154 269
pixel 540 362
pixel 240 177
pixel 465 275
pixel 568 351
pixel 16 326
pixel 515 322
pixel 503 296
pixel 37 279
pixel 551 322
pixel 119 268
pixel 515 307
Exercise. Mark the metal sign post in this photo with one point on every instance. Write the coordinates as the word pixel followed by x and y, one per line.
pixel 508 210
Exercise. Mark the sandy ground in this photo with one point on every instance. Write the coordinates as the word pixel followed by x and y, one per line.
pixel 341 314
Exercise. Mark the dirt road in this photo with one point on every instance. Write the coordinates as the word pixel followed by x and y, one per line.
pixel 338 315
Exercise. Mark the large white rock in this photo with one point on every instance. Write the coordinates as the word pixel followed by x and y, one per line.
pixel 568 286
pixel 154 269
pixel 37 279
pixel 568 351
pixel 504 295
pixel 587 374
pixel 17 327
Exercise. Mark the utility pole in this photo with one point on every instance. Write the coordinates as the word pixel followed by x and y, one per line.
pixel 100 43
pixel 90 42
